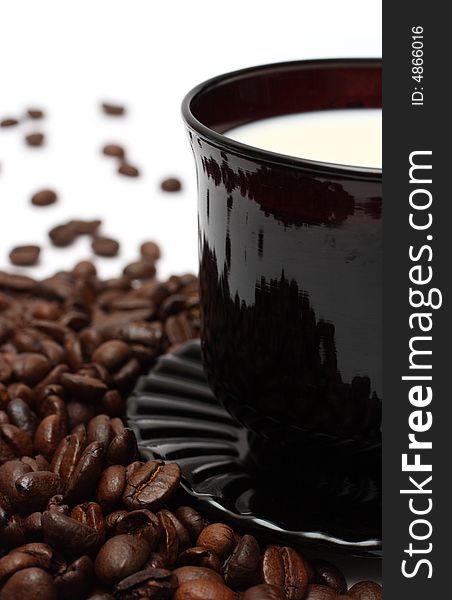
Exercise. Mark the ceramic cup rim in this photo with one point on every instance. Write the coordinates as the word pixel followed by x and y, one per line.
pixel 225 143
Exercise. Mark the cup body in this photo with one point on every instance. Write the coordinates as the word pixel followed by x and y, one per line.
pixel 290 259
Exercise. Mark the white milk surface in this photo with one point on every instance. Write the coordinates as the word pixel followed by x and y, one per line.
pixel 346 137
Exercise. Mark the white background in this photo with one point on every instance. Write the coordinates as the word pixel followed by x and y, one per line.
pixel 68 56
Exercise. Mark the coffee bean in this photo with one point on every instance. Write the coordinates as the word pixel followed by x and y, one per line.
pixel 182 532
pixel 127 169
pixel 171 185
pixel 90 513
pixel 184 574
pixel 99 430
pixel 148 583
pixel 35 113
pixel 151 485
pixel 327 574
pixel 62 235
pixel 29 555
pixel 21 416
pixel 150 251
pixel 75 580
pixel 111 487
pixel 44 198
pixel 112 354
pixel 30 367
pixel 88 388
pixel 68 535
pixel 24 256
pixel 84 227
pixel 316 591
pixel 49 434
pixel 113 109
pixel 123 448
pixel 31 583
pixel 169 541
pixel 14 442
pixel 114 150
pixel 36 488
pixel 10 471
pixel 199 557
pixel 103 246
pixel 142 523
pixel 366 590
pixel 283 566
pixel 263 592
pixel 84 478
pixel 9 122
pixel 84 269
pixel 140 269
pixel 218 538
pixel 202 589
pixel 101 596
pixel 241 567
pixel 35 139
pixel 119 557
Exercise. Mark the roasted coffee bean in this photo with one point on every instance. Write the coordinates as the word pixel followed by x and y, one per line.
pixel 31 367
pixel 182 533
pixel 44 198
pixel 127 374
pixel 327 574
pixel 113 109
pixel 62 235
pixel 123 448
pixel 9 122
pixel 119 557
pixel 36 488
pixel 366 590
pixel 90 513
pixel 32 583
pixel 148 583
pixel 35 139
pixel 151 485
pixel 13 533
pixel 99 430
pixel 316 591
pixel 5 370
pixel 35 113
pixel 114 150
pixel 113 405
pixel 10 471
pixel 25 256
pixel 263 592
pixel 68 535
pixel 78 413
pixel 20 390
pixel 3 417
pixel 127 169
pixel 178 329
pixel 101 596
pixel 241 567
pixel 49 434
pixel 169 541
pixel 171 185
pixel 74 582
pixel 14 442
pixel 184 574
pixel 203 589
pixel 111 487
pixel 103 246
pixel 82 482
pixel 56 503
pixel 54 352
pixel 33 527
pixel 142 523
pixel 84 269
pixel 112 354
pixel 199 557
pixel 21 416
pixel 67 455
pixel 150 251
pixel 86 388
pixel 29 555
pixel 218 538
pixel 141 269
pixel 283 566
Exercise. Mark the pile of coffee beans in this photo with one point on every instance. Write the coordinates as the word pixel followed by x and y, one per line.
pixel 81 516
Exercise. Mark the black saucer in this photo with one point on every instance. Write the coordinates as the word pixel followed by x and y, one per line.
pixel 332 502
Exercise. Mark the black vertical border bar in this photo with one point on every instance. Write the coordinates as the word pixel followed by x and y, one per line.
pixel 408 128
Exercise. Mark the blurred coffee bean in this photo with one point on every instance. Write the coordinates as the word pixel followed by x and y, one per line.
pixel 32 584
pixel 25 256
pixel 150 251
pixel 9 122
pixel 113 150
pixel 172 184
pixel 49 434
pixel 112 354
pixel 44 198
pixel 35 113
pixel 30 367
pixel 62 235
pixel 140 269
pixel 103 246
pixel 366 590
pixel 21 416
pixel 113 109
pixel 123 448
pixel 35 139
pixel 127 169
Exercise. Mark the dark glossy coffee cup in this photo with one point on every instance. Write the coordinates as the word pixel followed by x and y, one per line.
pixel 290 259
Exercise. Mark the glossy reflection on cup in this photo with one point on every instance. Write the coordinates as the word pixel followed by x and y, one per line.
pixel 290 259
